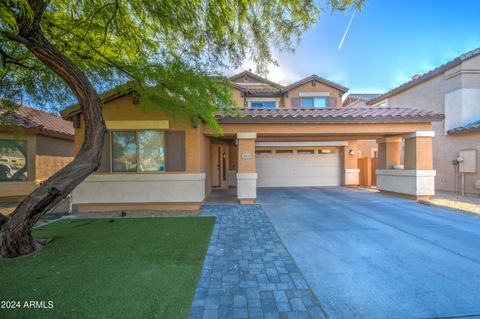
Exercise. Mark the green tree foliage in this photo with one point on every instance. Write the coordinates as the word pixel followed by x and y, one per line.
pixel 166 50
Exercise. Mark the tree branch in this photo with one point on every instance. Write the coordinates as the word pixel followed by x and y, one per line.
pixel 7 58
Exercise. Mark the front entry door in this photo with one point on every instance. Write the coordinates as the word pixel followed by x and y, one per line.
pixel 216 160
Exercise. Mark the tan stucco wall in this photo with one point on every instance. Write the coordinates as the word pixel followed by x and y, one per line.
pixel 357 103
pixel 418 153
pixel 285 101
pixel 19 188
pixel 366 147
pixel 45 156
pixel 351 160
pixel 328 131
pixel 430 95
pixel 308 87
pixel 246 165
pixel 237 97
pixel 52 154
pixel 123 109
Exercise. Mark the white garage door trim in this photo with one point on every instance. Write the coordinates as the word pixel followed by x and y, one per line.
pixel 297 170
pixel 300 144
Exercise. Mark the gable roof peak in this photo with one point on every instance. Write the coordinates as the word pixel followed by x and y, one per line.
pixel 318 78
pixel 257 77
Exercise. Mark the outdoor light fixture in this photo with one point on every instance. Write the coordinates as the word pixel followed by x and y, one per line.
pixel 350 151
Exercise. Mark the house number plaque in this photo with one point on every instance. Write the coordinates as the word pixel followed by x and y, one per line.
pixel 246 155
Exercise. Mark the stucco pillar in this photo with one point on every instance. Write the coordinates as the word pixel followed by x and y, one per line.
pixel 352 172
pixel 247 171
pixel 389 152
pixel 417 179
pixel 418 150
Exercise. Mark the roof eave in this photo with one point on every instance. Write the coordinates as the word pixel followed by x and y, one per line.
pixel 292 86
pixel 427 76
pixel 463 131
pixel 296 120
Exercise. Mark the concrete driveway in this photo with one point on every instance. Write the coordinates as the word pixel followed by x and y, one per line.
pixel 367 255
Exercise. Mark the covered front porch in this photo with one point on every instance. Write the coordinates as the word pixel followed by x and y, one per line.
pixel 268 151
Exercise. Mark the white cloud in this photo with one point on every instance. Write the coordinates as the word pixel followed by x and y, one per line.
pixel 276 73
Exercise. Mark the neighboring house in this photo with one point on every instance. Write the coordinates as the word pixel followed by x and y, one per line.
pixel 286 136
pixel 32 148
pixel 452 89
pixel 359 99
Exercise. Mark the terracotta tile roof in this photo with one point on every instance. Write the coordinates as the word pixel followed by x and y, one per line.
pixel 268 91
pixel 31 118
pixel 331 115
pixel 467 128
pixel 363 96
pixel 428 75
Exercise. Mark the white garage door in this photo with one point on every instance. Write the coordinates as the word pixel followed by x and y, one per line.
pixel 277 169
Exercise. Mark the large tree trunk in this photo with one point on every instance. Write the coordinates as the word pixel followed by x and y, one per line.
pixel 15 234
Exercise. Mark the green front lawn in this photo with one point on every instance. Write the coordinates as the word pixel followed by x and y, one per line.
pixel 131 268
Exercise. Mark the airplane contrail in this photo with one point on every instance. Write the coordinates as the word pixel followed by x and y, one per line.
pixel 346 31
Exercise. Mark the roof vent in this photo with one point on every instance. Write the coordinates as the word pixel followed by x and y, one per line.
pixel 416 76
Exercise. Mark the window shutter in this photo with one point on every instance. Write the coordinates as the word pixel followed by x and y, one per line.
pixel 175 150
pixel 295 102
pixel 105 160
pixel 332 102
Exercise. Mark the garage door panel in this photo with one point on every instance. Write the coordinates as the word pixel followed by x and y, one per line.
pixel 277 170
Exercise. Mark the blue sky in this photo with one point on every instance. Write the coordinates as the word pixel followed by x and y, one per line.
pixel 388 42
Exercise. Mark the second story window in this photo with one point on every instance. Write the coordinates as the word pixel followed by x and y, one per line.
pixel 268 105
pixel 313 102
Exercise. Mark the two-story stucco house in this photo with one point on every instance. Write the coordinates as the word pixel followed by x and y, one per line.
pixel 359 99
pixel 286 136
pixel 452 89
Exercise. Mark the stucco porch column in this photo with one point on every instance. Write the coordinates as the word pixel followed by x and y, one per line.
pixel 417 179
pixel 247 171
pixel 352 172
pixel 418 150
pixel 389 151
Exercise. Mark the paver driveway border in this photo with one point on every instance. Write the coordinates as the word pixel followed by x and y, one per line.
pixel 248 272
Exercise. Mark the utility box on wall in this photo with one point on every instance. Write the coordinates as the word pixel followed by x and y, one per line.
pixel 469 163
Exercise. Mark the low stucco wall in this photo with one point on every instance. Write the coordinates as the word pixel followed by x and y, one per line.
pixel 141 189
pixel 246 185
pixel 407 182
pixel 352 176
pixel 16 190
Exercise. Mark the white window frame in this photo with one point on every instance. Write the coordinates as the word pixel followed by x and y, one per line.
pixel 263 99
pixel 314 94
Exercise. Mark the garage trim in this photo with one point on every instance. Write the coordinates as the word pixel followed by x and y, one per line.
pixel 294 144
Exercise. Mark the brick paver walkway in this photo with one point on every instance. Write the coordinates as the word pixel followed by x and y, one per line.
pixel 248 273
